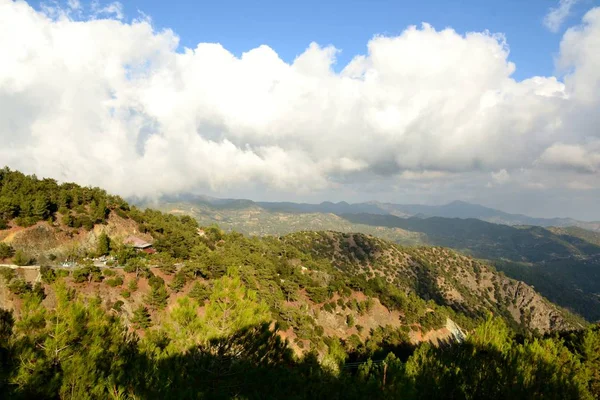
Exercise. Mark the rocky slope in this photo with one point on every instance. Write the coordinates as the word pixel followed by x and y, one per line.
pixel 440 274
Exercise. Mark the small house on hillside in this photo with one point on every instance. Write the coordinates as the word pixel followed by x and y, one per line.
pixel 139 244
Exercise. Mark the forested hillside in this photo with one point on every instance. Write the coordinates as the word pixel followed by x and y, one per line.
pixel 221 315
pixel 561 263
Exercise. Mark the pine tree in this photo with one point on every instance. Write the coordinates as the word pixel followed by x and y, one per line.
pixel 6 250
pixel 103 246
pixel 40 208
pixel 157 298
pixel 200 292
pixel 233 307
pixel 178 282
pixel 141 317
pixel 21 258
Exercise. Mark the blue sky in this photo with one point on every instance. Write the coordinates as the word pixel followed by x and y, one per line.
pixel 290 26
pixel 428 116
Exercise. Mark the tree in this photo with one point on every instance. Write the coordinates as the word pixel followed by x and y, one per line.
pixel 81 275
pixel 157 297
pixel 47 273
pixel 200 292
pixel 19 287
pixel 178 282
pixel 6 250
pixel 141 317
pixel 21 258
pixel 135 265
pixel 103 246
pixel 40 207
pixel 233 307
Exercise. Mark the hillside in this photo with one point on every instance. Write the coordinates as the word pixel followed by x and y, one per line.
pixel 255 221
pixel 455 209
pixel 292 309
pixel 562 266
pixel 561 263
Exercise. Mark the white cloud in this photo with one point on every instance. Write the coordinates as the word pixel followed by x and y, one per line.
pixel 501 176
pixel 74 4
pixel 114 104
pixel 114 10
pixel 576 157
pixel 557 15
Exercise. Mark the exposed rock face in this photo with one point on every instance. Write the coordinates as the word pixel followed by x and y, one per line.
pixel 57 238
pixel 528 306
pixel 443 275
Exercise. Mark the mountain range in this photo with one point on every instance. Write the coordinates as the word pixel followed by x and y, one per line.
pixel 562 262
pixel 455 209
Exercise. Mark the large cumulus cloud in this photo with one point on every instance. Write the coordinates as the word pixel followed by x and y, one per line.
pixel 114 103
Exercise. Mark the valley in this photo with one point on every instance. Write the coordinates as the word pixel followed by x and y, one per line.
pixel 562 263
pixel 93 285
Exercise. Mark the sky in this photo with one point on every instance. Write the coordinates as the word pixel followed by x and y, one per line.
pixel 496 103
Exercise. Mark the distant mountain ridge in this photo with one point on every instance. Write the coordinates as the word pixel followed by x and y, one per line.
pixel 455 209
pixel 561 262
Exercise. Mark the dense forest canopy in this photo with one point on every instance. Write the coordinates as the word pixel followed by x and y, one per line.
pixel 221 315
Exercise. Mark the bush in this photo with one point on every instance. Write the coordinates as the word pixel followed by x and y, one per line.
pixel 61 273
pixel 81 275
pixel 178 282
pixel 38 290
pixel 157 298
pixel 132 285
pixel 6 250
pixel 318 294
pixel 19 287
pixel 47 273
pixel 350 321
pixel 141 317
pixel 114 282
pixel 7 273
pixel 22 259
pixel 200 292
pixel 156 281
pixel 118 305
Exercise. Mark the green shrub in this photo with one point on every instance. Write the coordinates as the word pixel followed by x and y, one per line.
pixel 114 282
pixel 7 273
pixel 132 285
pixel 22 259
pixel 200 292
pixel 6 250
pixel 61 273
pixel 318 294
pixel 81 275
pixel 47 273
pixel 178 282
pixel 141 317
pixel 19 287
pixel 118 305
pixel 350 321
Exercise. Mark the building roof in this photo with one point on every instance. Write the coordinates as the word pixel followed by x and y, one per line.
pixel 137 242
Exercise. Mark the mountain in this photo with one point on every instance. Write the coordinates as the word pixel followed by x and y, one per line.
pixel 455 209
pixel 461 209
pixel 222 315
pixel 562 263
pixel 54 223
